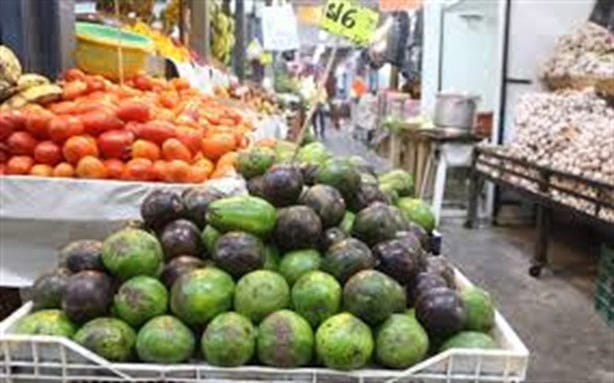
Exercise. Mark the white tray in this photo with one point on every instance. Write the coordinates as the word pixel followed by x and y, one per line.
pixel 57 359
pixel 40 215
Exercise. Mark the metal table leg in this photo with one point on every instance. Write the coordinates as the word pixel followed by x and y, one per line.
pixel 475 187
pixel 540 257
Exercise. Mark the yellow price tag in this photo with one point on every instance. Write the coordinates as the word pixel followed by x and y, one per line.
pixel 348 19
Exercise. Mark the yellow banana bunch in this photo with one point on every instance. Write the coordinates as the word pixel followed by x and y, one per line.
pixel 222 34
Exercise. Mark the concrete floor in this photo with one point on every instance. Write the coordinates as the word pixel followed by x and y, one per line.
pixel 553 315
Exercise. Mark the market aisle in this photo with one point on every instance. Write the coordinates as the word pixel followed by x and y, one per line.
pixel 569 342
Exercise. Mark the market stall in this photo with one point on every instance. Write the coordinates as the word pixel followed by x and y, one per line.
pixel 561 156
pixel 167 231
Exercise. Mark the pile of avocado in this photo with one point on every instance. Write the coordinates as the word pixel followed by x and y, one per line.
pixel 324 263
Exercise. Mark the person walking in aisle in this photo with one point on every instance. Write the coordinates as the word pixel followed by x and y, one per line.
pixel 318 120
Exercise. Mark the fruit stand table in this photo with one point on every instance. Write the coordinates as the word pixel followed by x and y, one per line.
pixel 40 215
pixel 549 189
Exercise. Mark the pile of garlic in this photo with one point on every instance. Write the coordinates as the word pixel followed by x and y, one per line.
pixel 586 52
pixel 570 131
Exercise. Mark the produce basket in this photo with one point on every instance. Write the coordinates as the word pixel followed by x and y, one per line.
pixel 56 359
pixel 97 50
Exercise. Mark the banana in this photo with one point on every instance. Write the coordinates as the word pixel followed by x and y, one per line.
pixel 6 90
pixel 10 68
pixel 42 94
pixel 30 80
pixel 15 102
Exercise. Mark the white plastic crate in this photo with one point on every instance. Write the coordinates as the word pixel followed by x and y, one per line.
pixel 57 359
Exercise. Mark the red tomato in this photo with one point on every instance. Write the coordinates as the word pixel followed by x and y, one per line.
pixel 63 107
pixel 180 83
pixel 115 168
pixel 91 167
pixel 61 128
pixel 143 82
pixel 78 147
pixel 97 122
pixel 2 169
pixel 4 155
pixel 190 137
pixel 155 131
pixel 64 169
pixel 115 144
pixel 74 89
pixel 173 149
pixel 21 143
pixel 41 170
pixel 73 74
pixel 37 122
pixel 95 83
pixel 19 165
pixel 48 153
pixel 133 110
pixel 139 169
pixel 10 121
pixel 169 99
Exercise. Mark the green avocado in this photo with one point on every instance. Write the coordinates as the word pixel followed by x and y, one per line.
pixel 260 293
pixel 111 338
pixel 480 309
pixel 316 296
pixel 140 299
pixel 165 339
pixel 344 342
pixel 229 340
pixel 296 263
pixel 285 339
pixel 400 342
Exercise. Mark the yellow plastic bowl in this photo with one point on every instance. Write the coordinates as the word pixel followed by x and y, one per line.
pixel 97 50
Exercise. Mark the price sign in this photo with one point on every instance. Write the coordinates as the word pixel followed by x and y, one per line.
pixel 349 19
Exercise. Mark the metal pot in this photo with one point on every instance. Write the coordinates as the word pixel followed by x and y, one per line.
pixel 455 110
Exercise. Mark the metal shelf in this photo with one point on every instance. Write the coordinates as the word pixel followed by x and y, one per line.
pixel 547 188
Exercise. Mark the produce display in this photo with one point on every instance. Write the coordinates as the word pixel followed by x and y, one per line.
pixel 17 88
pixel 315 267
pixel 586 52
pixel 165 46
pixel 570 131
pixel 145 130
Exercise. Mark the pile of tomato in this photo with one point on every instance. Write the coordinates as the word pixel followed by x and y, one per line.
pixel 147 129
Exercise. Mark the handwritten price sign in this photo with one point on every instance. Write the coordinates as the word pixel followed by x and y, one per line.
pixel 349 19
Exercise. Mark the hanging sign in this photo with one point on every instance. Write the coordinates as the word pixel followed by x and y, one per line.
pixel 398 5
pixel 349 19
pixel 279 28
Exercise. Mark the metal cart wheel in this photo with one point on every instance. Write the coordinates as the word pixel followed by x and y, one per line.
pixel 535 270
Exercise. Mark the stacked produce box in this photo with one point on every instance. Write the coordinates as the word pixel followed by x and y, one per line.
pixel 323 263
